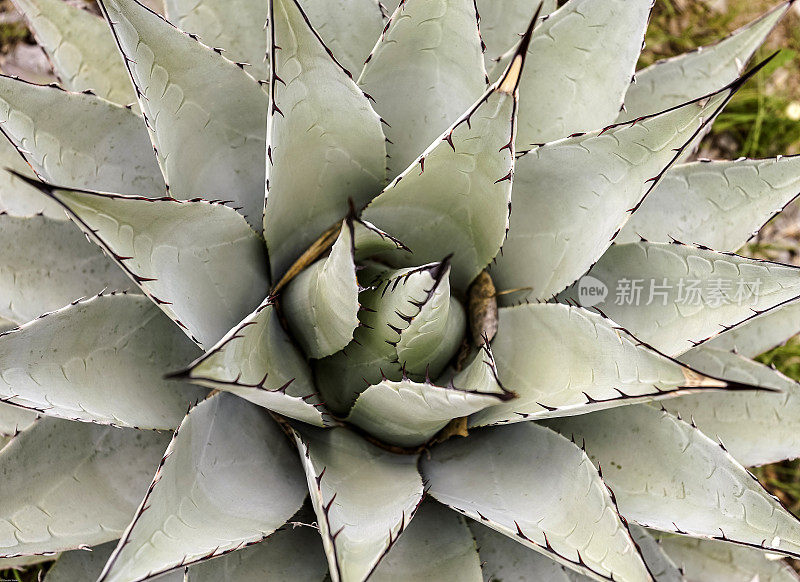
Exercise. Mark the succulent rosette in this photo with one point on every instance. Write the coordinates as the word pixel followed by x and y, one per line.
pixel 389 374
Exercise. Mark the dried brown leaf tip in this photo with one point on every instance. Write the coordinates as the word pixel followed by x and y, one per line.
pixel 482 309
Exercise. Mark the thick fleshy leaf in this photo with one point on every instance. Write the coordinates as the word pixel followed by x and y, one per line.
pixel 291 554
pixel 562 360
pixel 756 427
pixel 87 565
pixel 572 196
pixel 46 264
pixel 710 561
pixel 536 487
pixel 588 47
pixel 217 489
pixel 437 545
pixel 17 197
pixel 761 332
pixel 675 296
pixel 505 560
pixel 72 484
pixel 206 116
pixel 319 115
pixel 199 261
pixel 425 71
pixel 471 168
pixel 257 361
pixel 60 364
pixel 429 333
pixel 79 140
pixel 81 48
pixel 14 419
pixel 364 497
pixel 409 326
pixel 720 205
pixel 236 26
pixel 409 413
pixel 667 475
pixel 321 303
pixel 348 27
pixel 502 23
pixel 369 240
pixel 673 81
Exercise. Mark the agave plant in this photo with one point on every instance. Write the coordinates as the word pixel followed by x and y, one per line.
pixel 340 339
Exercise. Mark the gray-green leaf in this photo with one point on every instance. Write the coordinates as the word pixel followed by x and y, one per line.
pixel 236 26
pixel 529 483
pixel 675 296
pixel 673 81
pixel 437 545
pixel 348 27
pixel 470 167
pixel 81 48
pixel 86 564
pixel 14 419
pixel 658 562
pixel 293 553
pixel 408 413
pixel 206 117
pixel 409 320
pixel 364 497
pixel 572 196
pixel 317 114
pixel 217 489
pixel 756 427
pixel 710 561
pixel 46 264
pixel 257 361
pixel 321 303
pixel 425 71
pixel 199 261
pixel 502 23
pixel 60 364
pixel 669 476
pixel 761 332
pixel 562 360
pixel 720 205
pixel 504 560
pixel 581 60
pixel 17 197
pixel 77 140
pixel 71 484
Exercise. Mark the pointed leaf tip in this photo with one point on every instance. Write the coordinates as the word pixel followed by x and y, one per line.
pixel 509 82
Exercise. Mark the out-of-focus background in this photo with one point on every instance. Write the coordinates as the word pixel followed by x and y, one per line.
pixel 762 120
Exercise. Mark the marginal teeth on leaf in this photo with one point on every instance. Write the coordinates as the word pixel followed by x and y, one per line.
pixel 187 88
pixel 118 161
pixel 653 489
pixel 752 285
pixel 422 82
pixel 365 499
pixel 222 261
pixel 258 362
pixel 188 496
pixel 80 47
pixel 673 81
pixel 545 523
pixel 343 154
